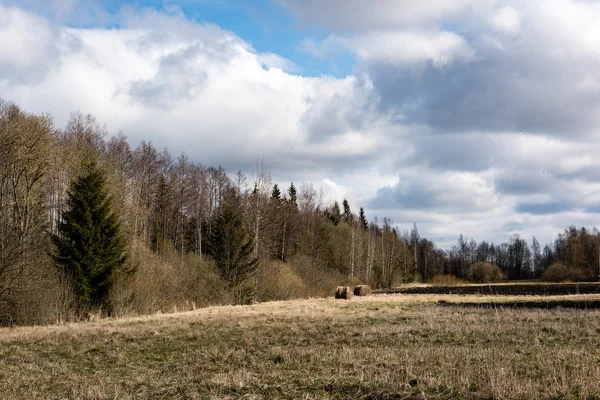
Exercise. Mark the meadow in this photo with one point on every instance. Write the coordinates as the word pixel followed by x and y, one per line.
pixel 527 288
pixel 376 347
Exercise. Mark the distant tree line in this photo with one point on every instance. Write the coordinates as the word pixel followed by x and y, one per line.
pixel 190 214
pixel 577 249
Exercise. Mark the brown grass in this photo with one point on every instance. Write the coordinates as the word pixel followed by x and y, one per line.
pixel 506 288
pixel 446 280
pixel 376 347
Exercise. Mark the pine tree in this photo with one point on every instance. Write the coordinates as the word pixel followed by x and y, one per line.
pixel 89 247
pixel 363 219
pixel 231 249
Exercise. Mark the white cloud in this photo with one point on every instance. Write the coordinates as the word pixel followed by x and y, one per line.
pixel 26 42
pixel 399 48
pixel 199 89
pixel 507 20
pixel 270 60
pixel 485 126
pixel 406 48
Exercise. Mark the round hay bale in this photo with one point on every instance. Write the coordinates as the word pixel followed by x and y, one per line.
pixel 343 292
pixel 363 290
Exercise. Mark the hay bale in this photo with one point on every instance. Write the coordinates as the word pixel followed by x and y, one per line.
pixel 363 290
pixel 343 292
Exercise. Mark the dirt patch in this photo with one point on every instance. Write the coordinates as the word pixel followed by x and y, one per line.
pixel 541 289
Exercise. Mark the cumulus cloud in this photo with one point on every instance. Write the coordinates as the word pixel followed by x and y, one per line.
pixel 29 45
pixel 507 20
pixel 200 89
pixel 450 191
pixel 532 67
pixel 179 78
pixel 408 48
pixel 478 117
pixel 398 48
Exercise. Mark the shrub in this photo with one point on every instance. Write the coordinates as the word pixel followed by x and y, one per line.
pixel 320 281
pixel 484 272
pixel 445 280
pixel 559 272
pixel 279 281
pixel 166 282
pixel 42 295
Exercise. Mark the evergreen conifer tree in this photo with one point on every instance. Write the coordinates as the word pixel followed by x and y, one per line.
pixel 89 247
pixel 161 215
pixel 347 211
pixel 231 249
pixel 293 195
pixel 276 194
pixel 334 215
pixel 363 219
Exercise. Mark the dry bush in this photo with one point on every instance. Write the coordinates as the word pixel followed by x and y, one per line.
pixel 300 278
pixel 320 281
pixel 42 295
pixel 484 272
pixel 166 282
pixel 559 272
pixel 352 281
pixel 279 281
pixel 446 280
pixel 363 290
pixel 343 292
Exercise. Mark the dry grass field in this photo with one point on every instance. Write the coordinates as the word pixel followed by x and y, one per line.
pixel 376 347
pixel 503 288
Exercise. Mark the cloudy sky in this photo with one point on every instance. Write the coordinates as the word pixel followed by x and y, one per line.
pixel 479 117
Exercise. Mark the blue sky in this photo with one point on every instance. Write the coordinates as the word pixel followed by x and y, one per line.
pixel 466 116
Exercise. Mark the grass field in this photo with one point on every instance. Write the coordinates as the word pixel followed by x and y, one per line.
pixel 377 347
pixel 504 288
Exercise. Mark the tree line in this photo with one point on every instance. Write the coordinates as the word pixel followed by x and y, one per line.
pixel 194 234
pixel 573 255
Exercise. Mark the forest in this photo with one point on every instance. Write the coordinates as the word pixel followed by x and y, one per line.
pixel 191 235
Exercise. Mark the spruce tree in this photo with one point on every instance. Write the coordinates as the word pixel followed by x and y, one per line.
pixel 293 195
pixel 89 247
pixel 230 247
pixel 363 219
pixel 276 194
pixel 347 211
pixel 334 214
pixel 161 215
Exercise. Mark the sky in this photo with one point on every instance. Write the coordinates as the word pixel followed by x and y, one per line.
pixel 479 117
